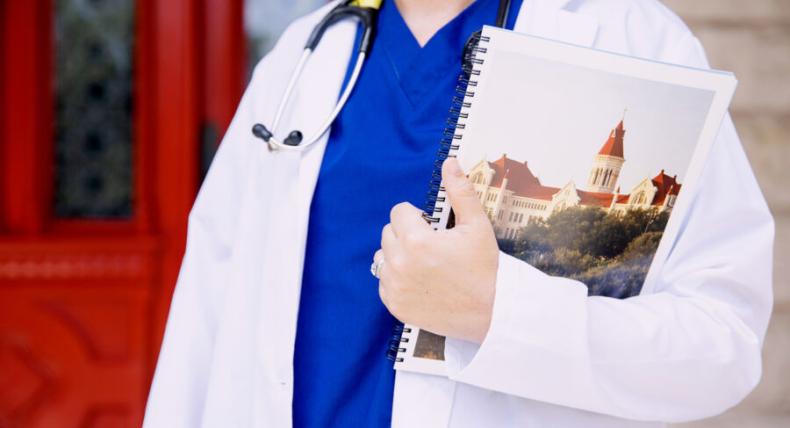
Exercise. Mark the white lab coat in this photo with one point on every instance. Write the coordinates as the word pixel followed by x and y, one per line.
pixel 688 348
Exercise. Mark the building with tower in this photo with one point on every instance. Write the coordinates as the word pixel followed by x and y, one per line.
pixel 608 162
pixel 513 196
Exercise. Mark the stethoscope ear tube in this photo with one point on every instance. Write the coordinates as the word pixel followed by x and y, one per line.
pixel 367 18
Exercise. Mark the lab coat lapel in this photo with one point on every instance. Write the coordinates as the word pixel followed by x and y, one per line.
pixel 295 175
pixel 315 98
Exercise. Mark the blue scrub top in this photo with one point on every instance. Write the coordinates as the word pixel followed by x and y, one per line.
pixel 380 152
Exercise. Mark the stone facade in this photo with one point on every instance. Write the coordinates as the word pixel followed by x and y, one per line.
pixel 752 38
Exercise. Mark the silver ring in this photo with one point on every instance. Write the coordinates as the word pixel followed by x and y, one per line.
pixel 375 267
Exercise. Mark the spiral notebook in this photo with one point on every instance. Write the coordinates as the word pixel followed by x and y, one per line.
pixel 582 159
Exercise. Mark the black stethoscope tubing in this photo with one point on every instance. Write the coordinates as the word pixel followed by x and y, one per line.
pixel 366 16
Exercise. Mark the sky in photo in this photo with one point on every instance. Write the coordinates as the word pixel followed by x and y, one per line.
pixel 557 116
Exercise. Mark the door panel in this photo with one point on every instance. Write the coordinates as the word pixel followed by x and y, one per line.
pixel 73 334
pixel 95 188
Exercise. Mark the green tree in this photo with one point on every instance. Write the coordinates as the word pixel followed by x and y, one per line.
pixel 609 252
pixel 644 245
pixel 574 229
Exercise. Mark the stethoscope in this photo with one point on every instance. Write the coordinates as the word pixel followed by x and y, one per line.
pixel 366 13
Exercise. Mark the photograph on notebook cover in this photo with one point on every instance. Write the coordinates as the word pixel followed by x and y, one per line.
pixel 582 175
pixel 429 346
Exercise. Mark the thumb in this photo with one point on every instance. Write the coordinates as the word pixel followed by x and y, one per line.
pixel 461 193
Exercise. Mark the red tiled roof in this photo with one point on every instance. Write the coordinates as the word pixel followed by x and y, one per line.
pixel 542 192
pixel 598 199
pixel 614 144
pixel 520 179
pixel 666 185
pixel 517 173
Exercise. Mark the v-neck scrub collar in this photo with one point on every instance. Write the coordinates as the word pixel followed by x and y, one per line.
pixel 412 64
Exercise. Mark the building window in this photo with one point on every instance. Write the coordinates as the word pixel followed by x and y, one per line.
pixel 94 108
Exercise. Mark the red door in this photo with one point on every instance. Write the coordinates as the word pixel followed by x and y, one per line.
pixel 106 110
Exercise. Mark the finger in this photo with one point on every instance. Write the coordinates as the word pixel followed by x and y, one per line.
pixel 379 261
pixel 383 294
pixel 378 256
pixel 406 218
pixel 461 194
pixel 388 240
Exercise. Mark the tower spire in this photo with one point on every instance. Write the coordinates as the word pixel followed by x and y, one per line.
pixel 609 161
pixel 614 144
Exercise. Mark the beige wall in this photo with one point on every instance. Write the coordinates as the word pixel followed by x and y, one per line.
pixel 752 38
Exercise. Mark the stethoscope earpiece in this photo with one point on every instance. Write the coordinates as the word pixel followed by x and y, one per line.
pixel 293 139
pixel 262 132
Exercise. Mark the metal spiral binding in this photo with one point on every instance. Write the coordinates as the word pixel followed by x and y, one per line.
pixel 396 339
pixel 448 146
pixel 451 138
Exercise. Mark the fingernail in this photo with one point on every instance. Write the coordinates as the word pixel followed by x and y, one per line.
pixel 454 167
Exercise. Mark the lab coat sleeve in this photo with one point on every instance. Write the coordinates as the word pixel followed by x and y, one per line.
pixel 179 386
pixel 688 350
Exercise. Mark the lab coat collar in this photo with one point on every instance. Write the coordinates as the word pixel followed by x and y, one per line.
pixel 559 4
pixel 554 19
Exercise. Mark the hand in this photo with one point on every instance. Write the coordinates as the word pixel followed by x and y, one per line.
pixel 442 281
